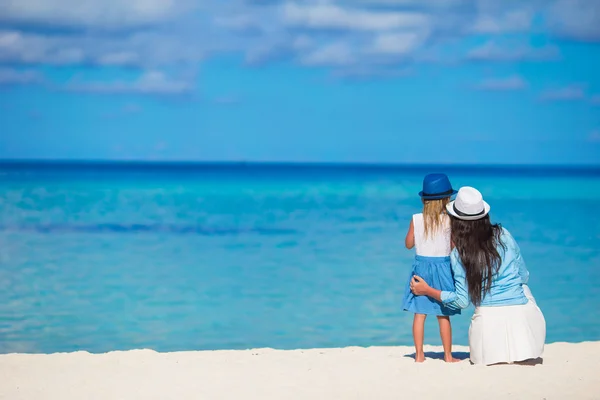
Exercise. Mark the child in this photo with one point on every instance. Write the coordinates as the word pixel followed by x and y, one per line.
pixel 429 232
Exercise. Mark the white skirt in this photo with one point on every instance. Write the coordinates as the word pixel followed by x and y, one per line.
pixel 507 334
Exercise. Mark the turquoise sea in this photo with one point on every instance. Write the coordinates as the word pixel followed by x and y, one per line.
pixel 102 257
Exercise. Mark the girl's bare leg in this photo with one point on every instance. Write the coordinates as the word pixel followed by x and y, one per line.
pixel 446 335
pixel 418 336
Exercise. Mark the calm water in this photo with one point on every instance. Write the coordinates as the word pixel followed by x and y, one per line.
pixel 226 257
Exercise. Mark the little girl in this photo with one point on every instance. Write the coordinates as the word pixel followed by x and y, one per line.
pixel 429 232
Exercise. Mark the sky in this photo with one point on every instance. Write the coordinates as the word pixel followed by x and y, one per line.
pixel 375 81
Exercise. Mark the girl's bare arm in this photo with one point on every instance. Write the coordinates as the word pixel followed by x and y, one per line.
pixel 409 241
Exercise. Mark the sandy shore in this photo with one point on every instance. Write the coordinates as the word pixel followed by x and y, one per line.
pixel 569 371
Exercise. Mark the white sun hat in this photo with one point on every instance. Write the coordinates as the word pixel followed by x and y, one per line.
pixel 468 205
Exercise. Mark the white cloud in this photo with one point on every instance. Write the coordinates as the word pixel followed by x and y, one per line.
pixel 335 54
pixel 506 16
pixel 131 108
pixel 149 83
pixel 569 93
pixel 397 43
pixel 127 109
pixel 594 136
pixel 511 21
pixel 98 14
pixel 122 57
pixel 142 49
pixel 24 48
pixel 434 4
pixel 576 19
pixel 10 76
pixel 245 23
pixel 502 84
pixel 358 35
pixel 492 51
pixel 279 48
pixel 330 16
pixel 360 73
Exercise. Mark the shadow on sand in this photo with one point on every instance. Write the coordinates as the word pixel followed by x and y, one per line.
pixel 462 355
pixel 439 355
pixel 532 362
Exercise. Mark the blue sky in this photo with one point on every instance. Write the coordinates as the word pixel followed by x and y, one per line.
pixel 407 81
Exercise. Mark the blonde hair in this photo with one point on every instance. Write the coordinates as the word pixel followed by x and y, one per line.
pixel 434 213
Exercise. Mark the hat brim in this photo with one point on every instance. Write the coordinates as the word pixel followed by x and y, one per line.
pixel 437 197
pixel 450 210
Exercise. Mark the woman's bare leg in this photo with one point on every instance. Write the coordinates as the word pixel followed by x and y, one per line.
pixel 418 336
pixel 446 335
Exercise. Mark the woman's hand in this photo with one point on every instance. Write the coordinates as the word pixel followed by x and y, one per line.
pixel 419 287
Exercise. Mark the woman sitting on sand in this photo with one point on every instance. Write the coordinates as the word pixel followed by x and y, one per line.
pixel 488 269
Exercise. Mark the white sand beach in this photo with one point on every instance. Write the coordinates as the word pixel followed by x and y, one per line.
pixel 569 371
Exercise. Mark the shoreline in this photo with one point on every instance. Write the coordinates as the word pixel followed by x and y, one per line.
pixel 568 371
pixel 456 348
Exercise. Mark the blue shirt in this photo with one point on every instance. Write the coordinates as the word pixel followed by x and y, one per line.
pixel 507 283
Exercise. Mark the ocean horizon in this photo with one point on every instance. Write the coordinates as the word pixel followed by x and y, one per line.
pixel 137 163
pixel 102 256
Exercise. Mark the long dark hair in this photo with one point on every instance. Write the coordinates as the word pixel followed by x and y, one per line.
pixel 477 244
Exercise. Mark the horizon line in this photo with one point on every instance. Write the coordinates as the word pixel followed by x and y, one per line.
pixel 256 163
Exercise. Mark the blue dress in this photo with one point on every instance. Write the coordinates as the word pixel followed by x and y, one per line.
pixel 437 272
pixel 432 263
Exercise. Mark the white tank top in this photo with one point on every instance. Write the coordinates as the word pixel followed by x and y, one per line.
pixel 437 244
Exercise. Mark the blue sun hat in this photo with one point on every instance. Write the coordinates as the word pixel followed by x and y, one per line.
pixel 436 186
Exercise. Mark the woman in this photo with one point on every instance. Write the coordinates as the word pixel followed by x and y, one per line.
pixel 488 269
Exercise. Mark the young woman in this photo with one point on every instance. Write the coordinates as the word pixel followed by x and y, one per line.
pixel 507 325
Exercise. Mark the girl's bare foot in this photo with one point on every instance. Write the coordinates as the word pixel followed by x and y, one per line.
pixel 419 357
pixel 450 359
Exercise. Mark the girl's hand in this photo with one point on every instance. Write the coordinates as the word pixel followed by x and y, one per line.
pixel 418 286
